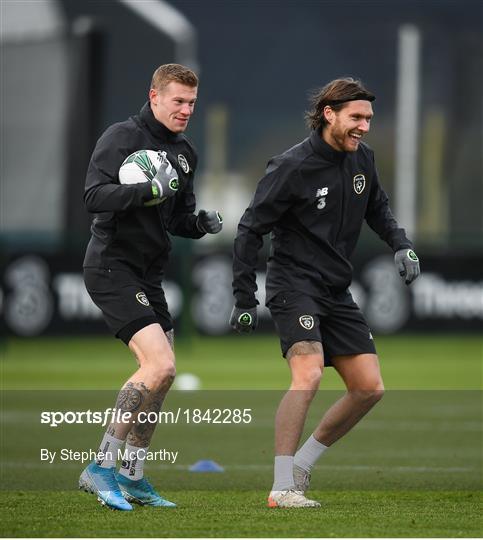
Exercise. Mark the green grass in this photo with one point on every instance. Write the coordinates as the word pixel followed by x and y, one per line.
pixel 412 468
pixel 408 362
pixel 243 514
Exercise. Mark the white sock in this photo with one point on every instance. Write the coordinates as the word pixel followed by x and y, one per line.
pixel 107 453
pixel 309 453
pixel 283 473
pixel 132 466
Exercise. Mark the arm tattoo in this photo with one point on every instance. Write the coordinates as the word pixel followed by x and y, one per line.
pixel 304 347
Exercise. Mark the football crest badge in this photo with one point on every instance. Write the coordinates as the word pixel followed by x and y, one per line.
pixel 359 183
pixel 307 322
pixel 142 298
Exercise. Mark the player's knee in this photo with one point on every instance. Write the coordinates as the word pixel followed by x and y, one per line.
pixel 369 397
pixel 307 379
pixel 377 389
pixel 168 375
pixel 375 395
pixel 161 367
pixel 162 376
pixel 313 377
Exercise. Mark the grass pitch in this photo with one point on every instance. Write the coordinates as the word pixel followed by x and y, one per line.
pixel 412 468
pixel 241 514
pixel 408 362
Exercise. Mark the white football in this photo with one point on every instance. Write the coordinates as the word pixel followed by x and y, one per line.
pixel 141 166
pixel 187 381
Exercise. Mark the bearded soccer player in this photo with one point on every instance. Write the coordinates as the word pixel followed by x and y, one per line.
pixel 123 270
pixel 313 200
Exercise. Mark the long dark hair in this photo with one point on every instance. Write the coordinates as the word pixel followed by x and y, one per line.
pixel 335 94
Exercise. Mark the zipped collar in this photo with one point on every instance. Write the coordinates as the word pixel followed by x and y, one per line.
pixel 324 149
pixel 159 130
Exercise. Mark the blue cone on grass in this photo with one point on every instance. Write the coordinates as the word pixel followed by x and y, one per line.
pixel 206 465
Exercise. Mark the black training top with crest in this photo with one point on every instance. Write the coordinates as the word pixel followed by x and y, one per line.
pixel 313 199
pixel 125 233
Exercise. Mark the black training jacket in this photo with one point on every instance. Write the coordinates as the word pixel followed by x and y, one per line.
pixel 124 231
pixel 313 199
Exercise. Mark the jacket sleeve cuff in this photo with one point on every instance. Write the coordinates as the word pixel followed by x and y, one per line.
pixel 402 245
pixel 398 240
pixel 146 193
pixel 246 303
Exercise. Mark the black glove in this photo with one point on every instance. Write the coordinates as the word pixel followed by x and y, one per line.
pixel 209 222
pixel 407 263
pixel 165 183
pixel 244 320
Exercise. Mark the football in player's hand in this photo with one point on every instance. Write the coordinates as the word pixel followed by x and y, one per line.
pixel 142 166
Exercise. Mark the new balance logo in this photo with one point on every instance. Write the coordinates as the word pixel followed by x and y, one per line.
pixel 320 196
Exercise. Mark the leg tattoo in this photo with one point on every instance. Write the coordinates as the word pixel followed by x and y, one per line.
pixel 131 399
pixel 142 432
pixel 304 347
pixel 170 337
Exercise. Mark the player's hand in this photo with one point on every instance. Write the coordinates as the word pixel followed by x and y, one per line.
pixel 166 182
pixel 407 264
pixel 209 221
pixel 244 320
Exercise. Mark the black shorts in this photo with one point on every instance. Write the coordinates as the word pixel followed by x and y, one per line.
pixel 128 303
pixel 336 322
